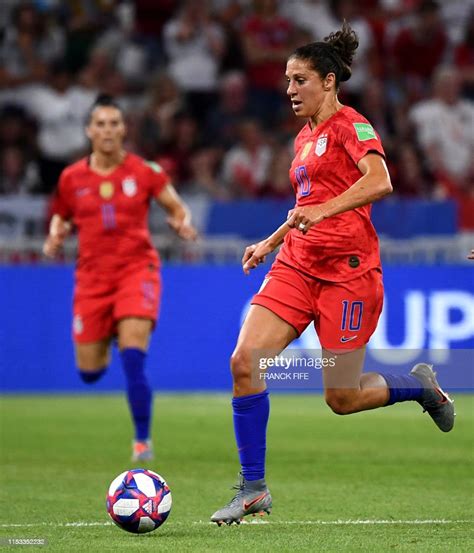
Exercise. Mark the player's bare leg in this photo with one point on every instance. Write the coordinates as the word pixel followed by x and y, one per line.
pixel 92 359
pixel 348 391
pixel 134 332
pixel 133 340
pixel 262 331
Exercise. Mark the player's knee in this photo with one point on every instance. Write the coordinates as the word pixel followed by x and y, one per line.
pixel 240 364
pixel 88 360
pixel 89 377
pixel 340 401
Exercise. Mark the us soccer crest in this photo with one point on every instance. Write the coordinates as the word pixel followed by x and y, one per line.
pixel 129 186
pixel 321 145
pixel 106 190
pixel 77 324
pixel 306 149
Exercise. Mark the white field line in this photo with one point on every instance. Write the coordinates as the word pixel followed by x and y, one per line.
pixel 349 522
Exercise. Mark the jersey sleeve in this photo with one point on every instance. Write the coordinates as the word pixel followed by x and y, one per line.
pixel 359 138
pixel 158 178
pixel 61 202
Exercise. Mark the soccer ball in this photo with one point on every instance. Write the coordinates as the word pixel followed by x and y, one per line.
pixel 139 501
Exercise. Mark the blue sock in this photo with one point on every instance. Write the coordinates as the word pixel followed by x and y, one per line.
pixel 138 390
pixel 250 426
pixel 403 387
pixel 89 377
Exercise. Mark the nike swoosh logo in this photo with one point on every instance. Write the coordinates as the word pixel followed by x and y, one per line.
pixel 344 339
pixel 256 500
pixel 443 399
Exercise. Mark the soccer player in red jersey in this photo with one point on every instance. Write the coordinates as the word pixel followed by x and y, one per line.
pixel 117 288
pixel 327 272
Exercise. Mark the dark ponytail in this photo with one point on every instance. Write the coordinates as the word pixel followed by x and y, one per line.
pixel 334 55
pixel 103 100
pixel 345 43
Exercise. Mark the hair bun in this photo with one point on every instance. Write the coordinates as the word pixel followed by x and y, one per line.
pixel 344 43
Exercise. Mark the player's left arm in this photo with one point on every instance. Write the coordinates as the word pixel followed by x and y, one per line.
pixel 372 186
pixel 179 216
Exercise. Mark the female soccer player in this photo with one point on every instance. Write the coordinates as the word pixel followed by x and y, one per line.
pixel 117 291
pixel 327 272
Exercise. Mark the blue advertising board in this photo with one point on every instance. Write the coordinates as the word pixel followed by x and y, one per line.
pixel 428 314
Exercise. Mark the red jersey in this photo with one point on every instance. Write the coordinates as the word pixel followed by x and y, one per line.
pixel 111 212
pixel 344 246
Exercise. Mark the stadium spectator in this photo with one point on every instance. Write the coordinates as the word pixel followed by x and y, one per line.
pixel 229 14
pixel 17 128
pixel 17 174
pixel 444 128
pixel 464 59
pixel 233 107
pixel 374 106
pixel 329 15
pixel 164 102
pixel 454 15
pixel 178 150
pixel 267 40
pixel 107 195
pixel 130 57
pixel 409 176
pixel 327 272
pixel 195 45
pixel 60 108
pixel 28 46
pixel 245 166
pixel 151 15
pixel 417 50
pixel 277 184
pixel 204 175
pixel 98 65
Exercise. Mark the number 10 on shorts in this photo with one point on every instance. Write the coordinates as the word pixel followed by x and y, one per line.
pixel 352 315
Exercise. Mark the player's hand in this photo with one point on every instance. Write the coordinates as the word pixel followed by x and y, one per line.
pixel 51 246
pixel 183 227
pixel 58 232
pixel 303 218
pixel 255 254
pixel 471 255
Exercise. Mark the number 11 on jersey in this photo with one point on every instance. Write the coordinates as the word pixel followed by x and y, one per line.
pixel 108 216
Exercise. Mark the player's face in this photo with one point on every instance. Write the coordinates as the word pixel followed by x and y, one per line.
pixel 305 87
pixel 106 129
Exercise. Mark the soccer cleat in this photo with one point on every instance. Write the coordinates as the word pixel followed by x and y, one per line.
pixel 437 403
pixel 142 451
pixel 253 497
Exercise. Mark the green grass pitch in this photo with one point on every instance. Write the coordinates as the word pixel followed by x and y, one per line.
pixel 386 480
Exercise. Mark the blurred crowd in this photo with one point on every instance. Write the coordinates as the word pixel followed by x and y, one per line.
pixel 203 89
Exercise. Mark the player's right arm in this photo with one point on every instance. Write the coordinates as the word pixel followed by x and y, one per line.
pixel 59 228
pixel 256 253
pixel 178 214
pixel 60 225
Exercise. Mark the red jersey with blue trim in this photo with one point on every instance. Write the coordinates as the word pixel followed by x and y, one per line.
pixel 111 212
pixel 344 246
